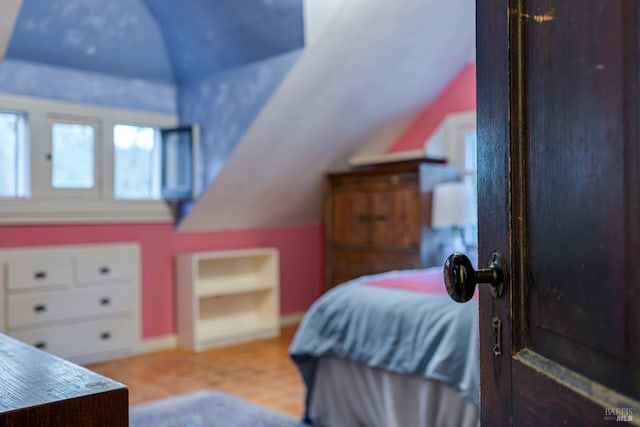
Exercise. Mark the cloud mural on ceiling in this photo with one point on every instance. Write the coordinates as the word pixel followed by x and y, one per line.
pixel 157 40
pixel 204 37
pixel 115 37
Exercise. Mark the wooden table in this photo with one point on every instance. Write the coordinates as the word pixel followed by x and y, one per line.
pixel 39 389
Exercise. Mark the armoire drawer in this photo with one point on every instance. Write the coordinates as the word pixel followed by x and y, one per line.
pixel 80 339
pixel 39 272
pixel 44 307
pixel 354 263
pixel 373 182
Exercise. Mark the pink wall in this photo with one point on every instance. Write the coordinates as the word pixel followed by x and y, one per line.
pixel 459 96
pixel 301 248
pixel 301 259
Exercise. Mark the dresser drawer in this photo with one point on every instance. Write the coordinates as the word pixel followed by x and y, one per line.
pixel 42 307
pixel 39 272
pixel 80 339
pixel 106 267
pixel 373 182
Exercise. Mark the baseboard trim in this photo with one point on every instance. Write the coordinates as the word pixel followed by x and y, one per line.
pixel 149 345
pixel 291 319
pixel 168 342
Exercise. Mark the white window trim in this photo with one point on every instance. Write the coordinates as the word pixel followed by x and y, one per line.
pixel 43 206
pixel 41 181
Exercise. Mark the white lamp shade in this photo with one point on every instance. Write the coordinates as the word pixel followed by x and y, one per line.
pixel 453 205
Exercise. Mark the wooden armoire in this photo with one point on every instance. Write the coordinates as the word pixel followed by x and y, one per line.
pixel 377 218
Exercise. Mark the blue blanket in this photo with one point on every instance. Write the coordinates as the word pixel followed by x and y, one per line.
pixel 402 331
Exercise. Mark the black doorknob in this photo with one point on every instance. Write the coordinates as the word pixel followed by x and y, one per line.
pixel 460 278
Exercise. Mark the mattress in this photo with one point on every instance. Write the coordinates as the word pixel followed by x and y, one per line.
pixel 401 322
pixel 346 394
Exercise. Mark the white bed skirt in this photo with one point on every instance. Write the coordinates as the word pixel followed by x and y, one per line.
pixel 346 394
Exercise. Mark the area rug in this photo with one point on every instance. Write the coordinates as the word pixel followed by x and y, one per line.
pixel 206 408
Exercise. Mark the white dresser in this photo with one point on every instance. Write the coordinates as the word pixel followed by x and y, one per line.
pixel 78 302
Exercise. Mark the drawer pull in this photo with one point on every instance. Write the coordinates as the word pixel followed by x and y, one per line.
pixel 105 270
pixel 365 218
pixel 39 308
pixel 409 178
pixel 105 336
pixel 39 275
pixel 40 344
pixel 105 301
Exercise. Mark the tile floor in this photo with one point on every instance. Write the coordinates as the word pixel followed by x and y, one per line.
pixel 260 371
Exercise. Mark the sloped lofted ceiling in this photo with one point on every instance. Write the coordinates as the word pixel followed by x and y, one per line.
pixel 156 40
pixel 377 61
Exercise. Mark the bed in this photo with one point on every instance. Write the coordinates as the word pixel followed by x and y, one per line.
pixel 389 350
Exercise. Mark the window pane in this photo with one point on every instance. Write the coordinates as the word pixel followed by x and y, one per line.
pixel 13 155
pixel 72 156
pixel 179 157
pixel 136 163
pixel 471 152
pixel 178 150
pixel 471 160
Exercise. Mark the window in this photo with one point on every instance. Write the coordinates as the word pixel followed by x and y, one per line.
pixel 66 162
pixel 470 175
pixel 72 156
pixel 471 152
pixel 462 153
pixel 13 155
pixel 64 156
pixel 136 169
pixel 471 160
pixel 179 162
pixel 152 163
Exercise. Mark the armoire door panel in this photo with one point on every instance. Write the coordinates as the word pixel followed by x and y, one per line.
pixel 351 225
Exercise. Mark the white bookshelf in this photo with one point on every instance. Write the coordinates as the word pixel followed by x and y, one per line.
pixel 227 296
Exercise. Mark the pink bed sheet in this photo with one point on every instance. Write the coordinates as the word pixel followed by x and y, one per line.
pixel 429 280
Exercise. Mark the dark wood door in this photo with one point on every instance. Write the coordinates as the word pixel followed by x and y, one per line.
pixel 559 191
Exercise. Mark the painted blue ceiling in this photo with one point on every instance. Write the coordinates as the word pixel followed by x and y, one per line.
pixel 207 36
pixel 158 40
